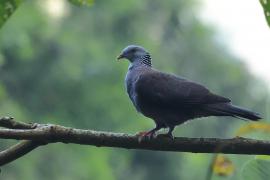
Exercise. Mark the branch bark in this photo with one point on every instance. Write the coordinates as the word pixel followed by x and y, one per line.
pixel 17 151
pixel 43 134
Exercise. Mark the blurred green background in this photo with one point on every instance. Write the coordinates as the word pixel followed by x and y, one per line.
pixel 58 65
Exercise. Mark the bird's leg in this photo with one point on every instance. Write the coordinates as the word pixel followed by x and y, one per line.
pixel 169 134
pixel 150 133
pixel 171 128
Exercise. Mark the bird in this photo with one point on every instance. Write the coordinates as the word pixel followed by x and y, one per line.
pixel 171 100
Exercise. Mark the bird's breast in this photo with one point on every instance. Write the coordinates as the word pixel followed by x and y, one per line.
pixel 130 81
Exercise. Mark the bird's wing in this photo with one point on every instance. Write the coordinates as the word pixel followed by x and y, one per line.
pixel 166 89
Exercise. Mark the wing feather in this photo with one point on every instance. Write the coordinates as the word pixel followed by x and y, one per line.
pixel 166 89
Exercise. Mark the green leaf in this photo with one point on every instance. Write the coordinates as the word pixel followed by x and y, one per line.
pixel 258 169
pixel 7 8
pixel 82 2
pixel 266 7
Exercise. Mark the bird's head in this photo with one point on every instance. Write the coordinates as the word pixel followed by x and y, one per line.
pixel 133 53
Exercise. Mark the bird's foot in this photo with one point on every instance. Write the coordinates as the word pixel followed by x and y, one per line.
pixel 168 135
pixel 146 135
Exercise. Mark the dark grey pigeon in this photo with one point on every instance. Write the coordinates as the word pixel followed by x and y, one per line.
pixel 171 100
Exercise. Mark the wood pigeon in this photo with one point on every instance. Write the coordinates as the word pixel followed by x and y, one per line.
pixel 171 100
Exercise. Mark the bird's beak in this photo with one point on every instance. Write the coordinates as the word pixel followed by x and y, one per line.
pixel 121 56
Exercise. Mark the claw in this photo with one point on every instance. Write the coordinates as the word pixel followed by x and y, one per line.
pixel 146 135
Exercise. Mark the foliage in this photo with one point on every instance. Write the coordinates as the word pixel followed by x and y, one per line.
pixel 82 2
pixel 258 169
pixel 251 127
pixel 266 7
pixel 7 7
pixel 223 166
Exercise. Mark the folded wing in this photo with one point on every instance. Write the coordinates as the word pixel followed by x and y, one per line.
pixel 169 90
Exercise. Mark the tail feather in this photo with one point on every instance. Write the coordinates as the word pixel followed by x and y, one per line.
pixel 227 109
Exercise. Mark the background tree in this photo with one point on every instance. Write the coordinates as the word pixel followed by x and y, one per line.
pixel 63 70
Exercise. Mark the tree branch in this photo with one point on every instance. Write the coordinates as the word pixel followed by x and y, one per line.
pixel 8 122
pixel 17 151
pixel 43 134
pixel 21 148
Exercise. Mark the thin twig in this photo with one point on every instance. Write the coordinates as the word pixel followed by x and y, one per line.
pixel 17 151
pixel 20 149
pixel 9 122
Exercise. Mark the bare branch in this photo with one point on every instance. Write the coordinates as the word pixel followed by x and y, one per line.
pixel 44 134
pixel 17 151
pixel 55 133
pixel 20 149
pixel 8 122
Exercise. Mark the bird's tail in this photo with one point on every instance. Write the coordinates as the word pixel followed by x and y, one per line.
pixel 227 109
